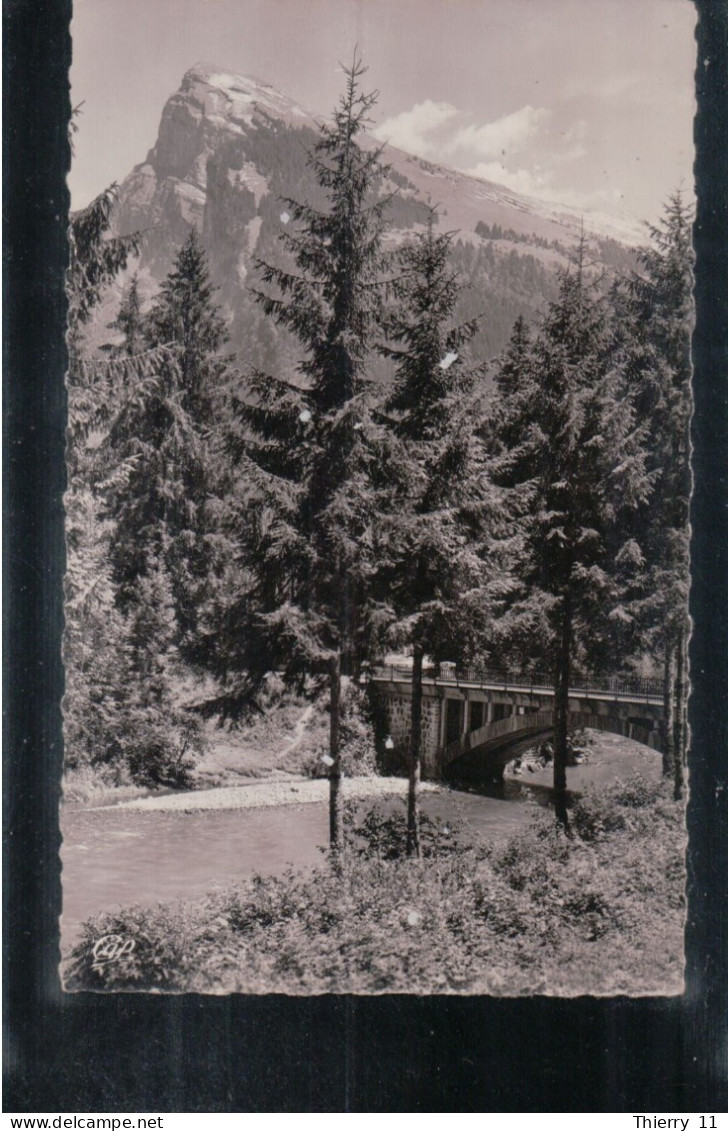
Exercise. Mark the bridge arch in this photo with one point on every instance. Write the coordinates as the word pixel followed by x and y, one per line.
pixel 486 751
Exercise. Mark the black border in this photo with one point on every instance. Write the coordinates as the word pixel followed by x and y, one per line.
pixel 124 1053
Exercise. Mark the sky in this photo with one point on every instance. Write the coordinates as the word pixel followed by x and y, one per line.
pixel 581 102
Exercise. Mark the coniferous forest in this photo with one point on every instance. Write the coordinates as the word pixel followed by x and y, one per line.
pixel 243 535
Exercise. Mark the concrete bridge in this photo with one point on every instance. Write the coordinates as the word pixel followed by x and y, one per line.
pixel 474 722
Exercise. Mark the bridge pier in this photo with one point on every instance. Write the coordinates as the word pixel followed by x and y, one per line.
pixel 442 721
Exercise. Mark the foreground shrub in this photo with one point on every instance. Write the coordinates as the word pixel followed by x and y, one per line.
pixel 136 949
pixel 382 833
pixel 162 755
pixel 356 738
pixel 598 813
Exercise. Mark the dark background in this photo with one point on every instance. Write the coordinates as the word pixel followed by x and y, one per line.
pixel 92 1053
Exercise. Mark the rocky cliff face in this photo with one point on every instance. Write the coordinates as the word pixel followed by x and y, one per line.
pixel 231 148
pixel 202 164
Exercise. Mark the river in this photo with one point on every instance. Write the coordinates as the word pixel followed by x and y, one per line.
pixel 113 857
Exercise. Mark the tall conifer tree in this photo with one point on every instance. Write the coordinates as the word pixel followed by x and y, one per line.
pixel 427 531
pixel 110 720
pixel 656 357
pixel 587 466
pixel 165 510
pixel 98 700
pixel 521 633
pixel 308 447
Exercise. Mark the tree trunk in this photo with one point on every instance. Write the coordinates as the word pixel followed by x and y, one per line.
pixel 413 801
pixel 561 712
pixel 336 822
pixel 680 714
pixel 668 711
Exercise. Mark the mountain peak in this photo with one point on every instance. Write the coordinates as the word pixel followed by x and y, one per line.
pixel 235 96
pixel 213 75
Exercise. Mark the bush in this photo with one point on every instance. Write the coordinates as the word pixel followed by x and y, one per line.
pixel 356 737
pixel 596 814
pixel 638 792
pixel 134 949
pixel 122 720
pixel 100 786
pixel 163 752
pixel 382 834
pixel 528 858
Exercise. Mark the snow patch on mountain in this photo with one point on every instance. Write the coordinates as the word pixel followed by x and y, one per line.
pixel 242 95
pixel 253 232
pixel 251 178
pixel 230 84
pixel 623 228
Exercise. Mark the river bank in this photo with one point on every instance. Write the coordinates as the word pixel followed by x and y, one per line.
pixel 240 772
pixel 270 794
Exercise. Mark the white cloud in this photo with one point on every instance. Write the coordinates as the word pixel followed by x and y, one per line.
pixel 605 205
pixel 409 129
pixel 577 131
pixel 572 154
pixel 570 143
pixel 506 135
pixel 534 182
pixel 526 151
pixel 439 129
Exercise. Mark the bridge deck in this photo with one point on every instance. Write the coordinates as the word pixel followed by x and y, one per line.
pixel 647 691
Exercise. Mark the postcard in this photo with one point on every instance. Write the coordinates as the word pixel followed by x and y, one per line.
pixel 378 490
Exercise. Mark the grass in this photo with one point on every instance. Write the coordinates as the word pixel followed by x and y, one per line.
pixel 97 785
pixel 278 742
pixel 599 912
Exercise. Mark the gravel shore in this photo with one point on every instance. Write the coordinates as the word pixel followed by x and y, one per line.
pixel 609 757
pixel 267 794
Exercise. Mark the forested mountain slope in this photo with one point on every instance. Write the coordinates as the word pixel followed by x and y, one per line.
pixel 230 149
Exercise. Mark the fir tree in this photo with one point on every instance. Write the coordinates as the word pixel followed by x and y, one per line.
pixel 588 463
pixel 167 737
pixel 426 558
pixel 515 384
pixel 308 450
pixel 129 322
pixel 108 722
pixel 521 633
pixel 165 513
pixel 97 664
pixel 95 259
pixel 185 313
pixel 97 707
pixel 656 358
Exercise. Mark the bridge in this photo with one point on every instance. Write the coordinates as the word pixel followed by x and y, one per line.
pixel 475 721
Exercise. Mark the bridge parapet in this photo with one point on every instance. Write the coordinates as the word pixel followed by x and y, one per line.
pixel 530 726
pixel 631 689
